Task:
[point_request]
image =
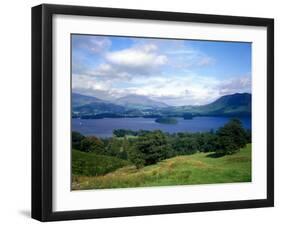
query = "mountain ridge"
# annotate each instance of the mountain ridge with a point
(237, 104)
(134, 100)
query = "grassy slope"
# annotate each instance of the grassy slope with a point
(192, 169)
(91, 164)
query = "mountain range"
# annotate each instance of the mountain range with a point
(138, 101)
(238, 104)
(229, 105)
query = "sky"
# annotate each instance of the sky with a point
(175, 72)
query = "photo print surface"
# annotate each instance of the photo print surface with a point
(159, 112)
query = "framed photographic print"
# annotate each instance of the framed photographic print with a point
(145, 112)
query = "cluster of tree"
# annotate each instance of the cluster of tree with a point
(127, 132)
(124, 132)
(150, 147)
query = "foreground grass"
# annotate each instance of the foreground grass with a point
(199, 168)
(91, 164)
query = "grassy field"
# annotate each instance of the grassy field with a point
(199, 168)
(91, 164)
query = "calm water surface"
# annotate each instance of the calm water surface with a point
(104, 127)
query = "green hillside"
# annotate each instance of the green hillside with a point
(91, 164)
(235, 104)
(199, 168)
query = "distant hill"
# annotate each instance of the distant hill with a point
(85, 105)
(235, 104)
(238, 104)
(138, 101)
(79, 100)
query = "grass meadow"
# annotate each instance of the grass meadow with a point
(198, 168)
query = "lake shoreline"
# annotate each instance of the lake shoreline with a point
(103, 128)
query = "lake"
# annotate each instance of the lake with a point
(104, 127)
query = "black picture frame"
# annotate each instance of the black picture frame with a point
(42, 111)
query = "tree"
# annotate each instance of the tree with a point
(153, 147)
(136, 157)
(76, 139)
(114, 146)
(185, 145)
(124, 149)
(208, 142)
(249, 136)
(92, 144)
(231, 137)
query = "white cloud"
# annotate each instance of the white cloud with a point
(123, 65)
(188, 57)
(154, 69)
(99, 44)
(94, 44)
(89, 83)
(136, 57)
(107, 71)
(180, 90)
(235, 85)
(189, 89)
(205, 61)
(144, 58)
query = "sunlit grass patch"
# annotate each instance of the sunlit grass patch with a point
(198, 168)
